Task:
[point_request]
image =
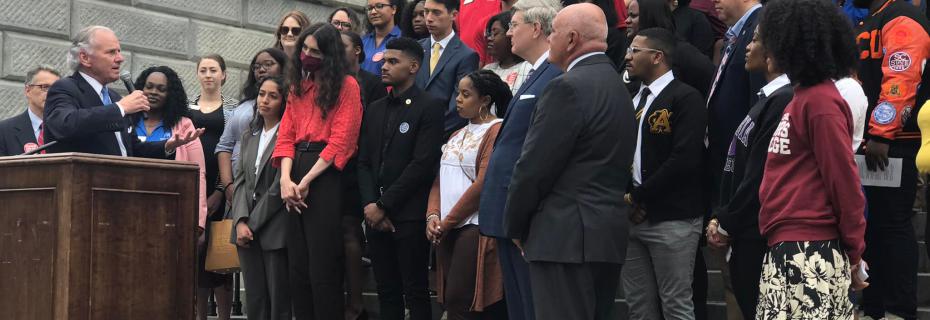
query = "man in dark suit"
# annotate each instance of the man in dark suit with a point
(20, 134)
(83, 115)
(565, 205)
(446, 59)
(532, 24)
(399, 150)
(671, 120)
(733, 90)
(257, 206)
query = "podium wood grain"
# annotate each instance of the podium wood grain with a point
(97, 237)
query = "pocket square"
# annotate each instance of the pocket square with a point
(527, 96)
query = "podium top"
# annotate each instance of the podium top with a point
(95, 159)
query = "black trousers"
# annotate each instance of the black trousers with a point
(315, 249)
(745, 272)
(265, 275)
(891, 245)
(574, 291)
(400, 261)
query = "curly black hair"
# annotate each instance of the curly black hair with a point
(810, 40)
(176, 104)
(332, 73)
(258, 123)
(406, 24)
(250, 89)
(488, 83)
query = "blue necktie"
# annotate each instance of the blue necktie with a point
(106, 95)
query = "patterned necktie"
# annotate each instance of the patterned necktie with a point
(643, 95)
(434, 57)
(105, 92)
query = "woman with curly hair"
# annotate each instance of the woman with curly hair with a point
(811, 200)
(468, 275)
(167, 116)
(413, 24)
(317, 137)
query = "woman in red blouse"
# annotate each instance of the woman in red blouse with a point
(317, 136)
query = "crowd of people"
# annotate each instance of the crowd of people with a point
(539, 155)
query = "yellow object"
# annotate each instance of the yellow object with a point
(923, 156)
(434, 57)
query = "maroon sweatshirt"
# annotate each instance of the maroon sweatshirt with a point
(811, 189)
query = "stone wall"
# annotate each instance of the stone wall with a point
(152, 32)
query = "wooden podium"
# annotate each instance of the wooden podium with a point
(97, 237)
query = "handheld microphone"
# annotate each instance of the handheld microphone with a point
(127, 80)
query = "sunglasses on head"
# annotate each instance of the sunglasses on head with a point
(285, 30)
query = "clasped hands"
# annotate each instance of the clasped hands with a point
(294, 195)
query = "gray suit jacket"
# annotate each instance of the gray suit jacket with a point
(258, 197)
(566, 195)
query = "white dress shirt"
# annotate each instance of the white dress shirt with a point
(578, 59)
(263, 141)
(540, 61)
(442, 43)
(655, 88)
(36, 123)
(851, 91)
(775, 84)
(98, 88)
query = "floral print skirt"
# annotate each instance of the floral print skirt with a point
(805, 280)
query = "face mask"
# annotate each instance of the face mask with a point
(310, 63)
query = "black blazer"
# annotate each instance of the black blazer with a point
(566, 195)
(738, 213)
(456, 61)
(78, 120)
(401, 176)
(15, 133)
(734, 94)
(258, 197)
(671, 154)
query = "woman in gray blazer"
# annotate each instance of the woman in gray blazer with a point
(261, 222)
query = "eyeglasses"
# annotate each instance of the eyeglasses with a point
(43, 87)
(264, 66)
(632, 50)
(289, 30)
(342, 24)
(379, 6)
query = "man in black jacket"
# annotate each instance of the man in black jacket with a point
(21, 133)
(736, 221)
(399, 150)
(664, 237)
(83, 115)
(564, 207)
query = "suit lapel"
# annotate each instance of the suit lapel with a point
(660, 101)
(249, 151)
(89, 94)
(529, 82)
(23, 127)
(451, 49)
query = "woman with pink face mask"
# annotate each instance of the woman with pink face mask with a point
(316, 138)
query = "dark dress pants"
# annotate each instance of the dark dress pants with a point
(891, 245)
(574, 291)
(315, 249)
(517, 288)
(400, 260)
(745, 272)
(267, 288)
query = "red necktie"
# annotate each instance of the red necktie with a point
(41, 139)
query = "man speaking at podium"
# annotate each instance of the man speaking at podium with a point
(83, 115)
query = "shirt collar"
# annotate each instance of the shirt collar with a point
(402, 97)
(541, 59)
(442, 43)
(776, 83)
(578, 59)
(735, 30)
(395, 33)
(656, 87)
(93, 83)
(36, 121)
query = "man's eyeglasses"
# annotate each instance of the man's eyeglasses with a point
(632, 50)
(512, 24)
(379, 6)
(285, 30)
(43, 87)
(264, 66)
(342, 24)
